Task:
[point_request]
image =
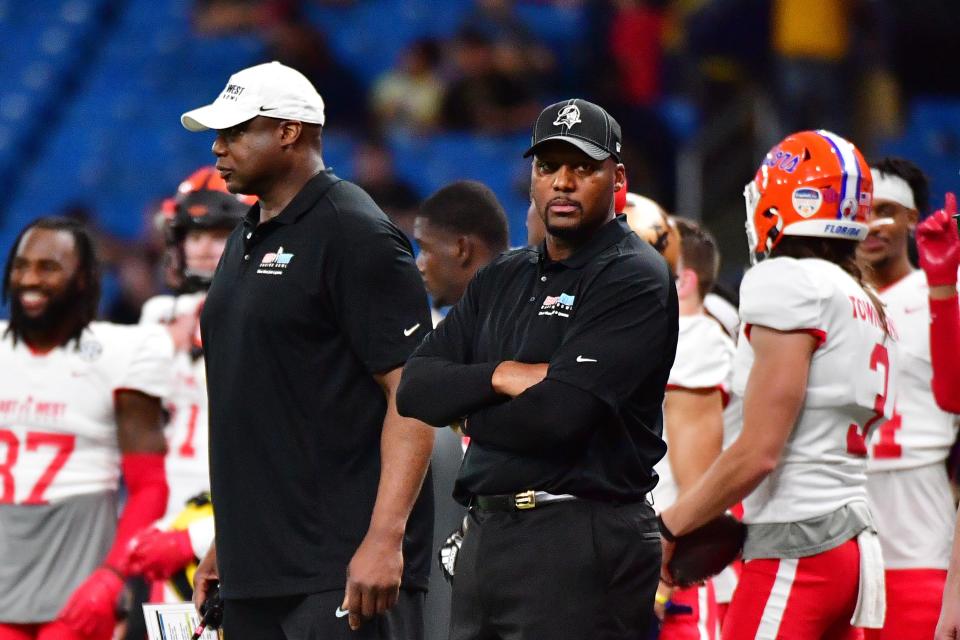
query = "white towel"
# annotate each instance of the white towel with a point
(871, 597)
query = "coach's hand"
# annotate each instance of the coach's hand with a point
(91, 610)
(205, 577)
(373, 577)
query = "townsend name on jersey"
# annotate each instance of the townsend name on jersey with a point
(865, 311)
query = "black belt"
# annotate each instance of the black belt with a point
(518, 501)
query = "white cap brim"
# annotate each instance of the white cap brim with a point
(215, 116)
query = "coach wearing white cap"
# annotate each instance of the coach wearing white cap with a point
(313, 311)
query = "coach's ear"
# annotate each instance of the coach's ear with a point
(289, 131)
(688, 284)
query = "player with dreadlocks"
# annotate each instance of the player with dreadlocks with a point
(79, 407)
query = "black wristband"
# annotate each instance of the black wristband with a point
(666, 533)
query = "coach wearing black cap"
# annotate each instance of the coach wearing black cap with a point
(557, 356)
(313, 310)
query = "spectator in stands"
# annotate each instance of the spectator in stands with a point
(409, 96)
(483, 98)
(292, 40)
(632, 87)
(811, 42)
(516, 47)
(373, 170)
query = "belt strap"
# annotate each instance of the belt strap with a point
(519, 501)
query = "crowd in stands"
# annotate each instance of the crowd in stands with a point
(664, 68)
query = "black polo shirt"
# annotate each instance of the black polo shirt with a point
(605, 320)
(302, 311)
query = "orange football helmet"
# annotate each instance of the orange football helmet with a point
(814, 183)
(202, 203)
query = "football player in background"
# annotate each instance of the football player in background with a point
(197, 221)
(697, 392)
(813, 368)
(79, 407)
(910, 495)
(459, 228)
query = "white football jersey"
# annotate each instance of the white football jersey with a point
(58, 430)
(919, 433)
(850, 387)
(187, 460)
(704, 361)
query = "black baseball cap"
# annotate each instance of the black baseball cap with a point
(583, 124)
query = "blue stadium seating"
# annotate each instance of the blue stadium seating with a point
(931, 138)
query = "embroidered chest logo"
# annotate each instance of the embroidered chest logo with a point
(560, 305)
(275, 262)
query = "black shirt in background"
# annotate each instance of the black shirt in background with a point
(302, 311)
(605, 320)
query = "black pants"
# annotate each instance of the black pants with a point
(312, 617)
(577, 570)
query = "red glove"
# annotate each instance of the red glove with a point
(157, 555)
(938, 244)
(91, 610)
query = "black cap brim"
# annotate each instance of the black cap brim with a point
(595, 151)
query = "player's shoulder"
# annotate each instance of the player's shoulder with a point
(705, 353)
(164, 308)
(911, 288)
(704, 332)
(158, 309)
(811, 278)
(788, 293)
(125, 340)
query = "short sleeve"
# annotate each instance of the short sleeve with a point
(377, 292)
(162, 309)
(157, 310)
(624, 332)
(782, 294)
(150, 367)
(704, 355)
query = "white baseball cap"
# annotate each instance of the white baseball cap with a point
(271, 89)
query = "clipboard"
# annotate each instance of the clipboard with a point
(176, 621)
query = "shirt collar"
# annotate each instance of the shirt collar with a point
(301, 203)
(609, 234)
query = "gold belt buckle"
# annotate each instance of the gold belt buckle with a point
(525, 500)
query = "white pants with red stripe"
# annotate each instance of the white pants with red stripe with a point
(808, 598)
